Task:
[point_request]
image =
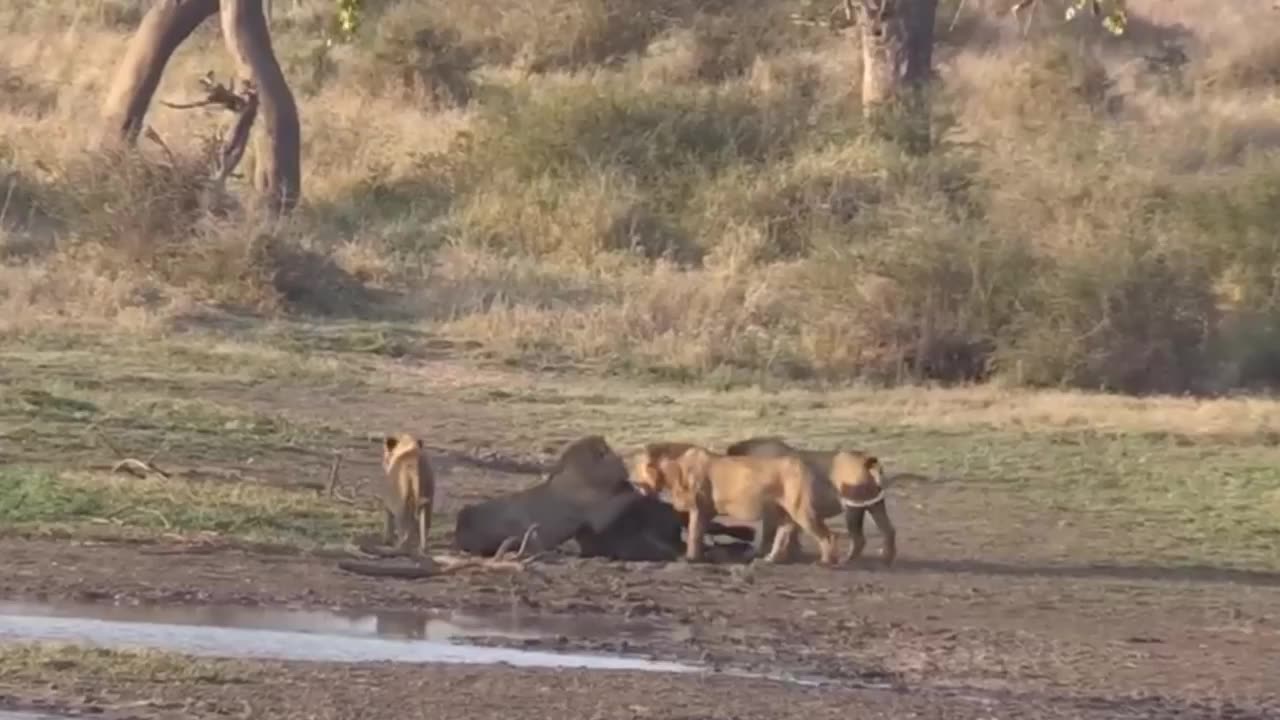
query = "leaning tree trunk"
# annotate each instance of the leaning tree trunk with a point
(277, 160)
(897, 63)
(165, 26)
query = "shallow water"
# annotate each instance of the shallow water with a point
(355, 635)
(286, 634)
(403, 624)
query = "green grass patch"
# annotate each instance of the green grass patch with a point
(1136, 499)
(33, 499)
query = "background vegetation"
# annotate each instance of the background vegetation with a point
(685, 188)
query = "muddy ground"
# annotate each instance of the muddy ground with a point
(277, 690)
(1007, 600)
(943, 640)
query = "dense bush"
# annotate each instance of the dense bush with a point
(687, 188)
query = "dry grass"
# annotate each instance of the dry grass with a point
(36, 660)
(684, 189)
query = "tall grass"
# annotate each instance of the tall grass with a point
(686, 188)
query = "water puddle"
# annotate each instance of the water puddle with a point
(401, 624)
(353, 636)
(275, 633)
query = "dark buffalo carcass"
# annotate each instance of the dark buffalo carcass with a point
(587, 497)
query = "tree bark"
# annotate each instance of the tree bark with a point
(897, 59)
(165, 26)
(277, 165)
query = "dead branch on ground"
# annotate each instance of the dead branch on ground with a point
(403, 572)
(140, 469)
(505, 546)
(137, 468)
(143, 468)
(333, 472)
(126, 464)
(332, 485)
(446, 564)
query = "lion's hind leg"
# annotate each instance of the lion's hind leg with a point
(423, 512)
(880, 514)
(809, 521)
(853, 518)
(406, 522)
(388, 527)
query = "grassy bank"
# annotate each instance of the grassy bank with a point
(1093, 478)
(685, 190)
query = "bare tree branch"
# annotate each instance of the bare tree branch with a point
(233, 149)
(216, 93)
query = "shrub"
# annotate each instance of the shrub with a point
(1127, 316)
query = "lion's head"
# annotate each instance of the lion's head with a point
(396, 446)
(657, 468)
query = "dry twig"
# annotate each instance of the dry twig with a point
(215, 94)
(445, 564)
(137, 468)
(333, 473)
(244, 104)
(126, 464)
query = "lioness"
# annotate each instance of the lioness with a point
(853, 484)
(705, 484)
(409, 491)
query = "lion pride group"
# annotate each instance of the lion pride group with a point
(615, 508)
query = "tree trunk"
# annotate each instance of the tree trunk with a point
(897, 60)
(165, 26)
(277, 170)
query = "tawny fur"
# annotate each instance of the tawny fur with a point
(851, 483)
(706, 484)
(410, 491)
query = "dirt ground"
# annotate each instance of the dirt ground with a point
(1034, 644)
(278, 690)
(1017, 609)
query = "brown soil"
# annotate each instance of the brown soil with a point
(1034, 644)
(316, 691)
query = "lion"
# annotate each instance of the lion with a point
(852, 483)
(705, 484)
(409, 491)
